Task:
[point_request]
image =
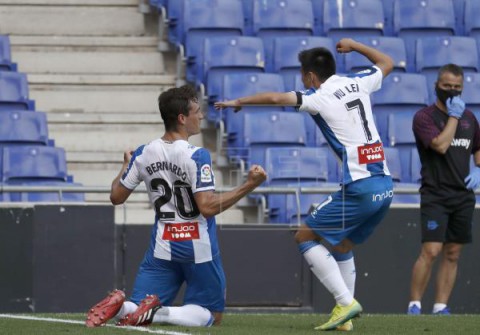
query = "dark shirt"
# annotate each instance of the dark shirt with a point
(443, 175)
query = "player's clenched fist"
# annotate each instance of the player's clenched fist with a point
(257, 175)
(345, 45)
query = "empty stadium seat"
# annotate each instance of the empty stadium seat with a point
(29, 163)
(388, 13)
(280, 18)
(471, 19)
(400, 135)
(353, 18)
(400, 175)
(392, 46)
(23, 127)
(14, 92)
(208, 18)
(400, 92)
(260, 130)
(432, 53)
(226, 55)
(416, 167)
(242, 84)
(175, 21)
(471, 91)
(318, 6)
(5, 55)
(459, 8)
(392, 157)
(422, 18)
(248, 17)
(285, 55)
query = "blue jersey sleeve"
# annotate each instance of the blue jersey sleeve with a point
(204, 175)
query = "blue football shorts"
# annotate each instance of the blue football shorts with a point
(354, 211)
(205, 282)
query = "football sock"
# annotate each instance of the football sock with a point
(437, 307)
(188, 315)
(347, 269)
(415, 302)
(127, 308)
(326, 269)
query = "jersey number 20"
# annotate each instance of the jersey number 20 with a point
(184, 202)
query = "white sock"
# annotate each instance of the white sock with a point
(437, 307)
(127, 307)
(347, 269)
(415, 302)
(188, 315)
(326, 269)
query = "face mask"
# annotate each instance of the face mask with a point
(443, 95)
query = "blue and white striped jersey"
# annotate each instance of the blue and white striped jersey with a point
(342, 109)
(173, 172)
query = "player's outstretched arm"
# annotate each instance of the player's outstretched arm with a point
(267, 98)
(383, 61)
(119, 193)
(210, 203)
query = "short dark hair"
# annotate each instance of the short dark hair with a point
(451, 68)
(173, 102)
(319, 61)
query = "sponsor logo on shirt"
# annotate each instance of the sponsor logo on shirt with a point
(432, 225)
(461, 142)
(382, 196)
(178, 232)
(370, 153)
(206, 174)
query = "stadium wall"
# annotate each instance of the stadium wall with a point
(56, 258)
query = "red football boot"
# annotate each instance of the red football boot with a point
(143, 316)
(106, 309)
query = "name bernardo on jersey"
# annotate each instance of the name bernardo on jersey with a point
(166, 166)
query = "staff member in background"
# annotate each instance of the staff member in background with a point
(446, 135)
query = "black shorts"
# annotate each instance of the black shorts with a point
(447, 221)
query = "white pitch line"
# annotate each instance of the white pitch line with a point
(75, 322)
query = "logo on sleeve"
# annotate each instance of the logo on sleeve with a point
(370, 153)
(206, 174)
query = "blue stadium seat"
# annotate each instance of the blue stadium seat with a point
(280, 18)
(175, 21)
(471, 19)
(5, 55)
(226, 55)
(400, 135)
(260, 130)
(293, 167)
(353, 18)
(388, 13)
(392, 157)
(44, 196)
(14, 92)
(422, 18)
(400, 92)
(400, 173)
(285, 55)
(208, 18)
(318, 6)
(29, 163)
(416, 167)
(392, 46)
(459, 8)
(248, 17)
(432, 53)
(23, 127)
(471, 91)
(242, 84)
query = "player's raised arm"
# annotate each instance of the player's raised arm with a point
(383, 61)
(266, 98)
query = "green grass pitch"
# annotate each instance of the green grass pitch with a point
(263, 324)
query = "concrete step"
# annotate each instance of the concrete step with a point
(21, 41)
(98, 79)
(115, 3)
(66, 60)
(103, 99)
(103, 118)
(71, 20)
